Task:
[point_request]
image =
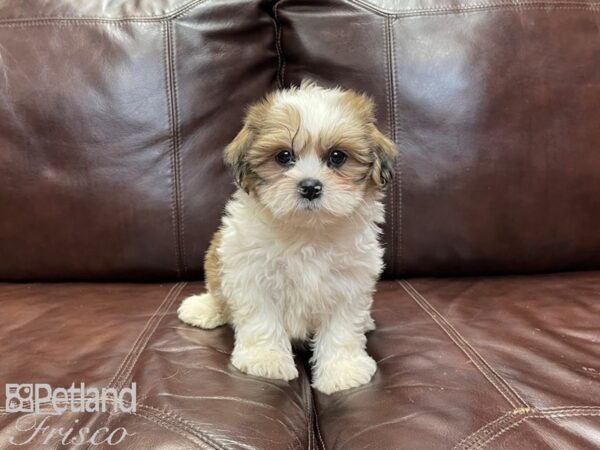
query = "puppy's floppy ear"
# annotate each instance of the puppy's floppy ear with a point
(236, 153)
(235, 156)
(383, 149)
(385, 152)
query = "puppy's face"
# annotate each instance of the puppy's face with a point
(311, 153)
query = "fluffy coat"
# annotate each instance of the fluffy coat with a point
(283, 268)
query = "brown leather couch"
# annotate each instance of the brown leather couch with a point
(113, 117)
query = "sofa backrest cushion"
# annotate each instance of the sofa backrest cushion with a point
(113, 118)
(495, 108)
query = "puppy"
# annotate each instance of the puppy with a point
(297, 255)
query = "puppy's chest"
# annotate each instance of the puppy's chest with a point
(308, 268)
(313, 274)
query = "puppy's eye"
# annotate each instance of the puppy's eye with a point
(336, 158)
(285, 158)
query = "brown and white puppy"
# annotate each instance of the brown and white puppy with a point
(297, 256)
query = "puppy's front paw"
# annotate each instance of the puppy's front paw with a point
(202, 311)
(344, 373)
(265, 362)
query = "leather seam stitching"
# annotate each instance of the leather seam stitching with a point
(513, 398)
(177, 12)
(177, 130)
(149, 335)
(118, 380)
(139, 337)
(477, 434)
(474, 350)
(307, 407)
(569, 408)
(594, 7)
(120, 377)
(398, 166)
(66, 24)
(476, 7)
(171, 149)
(278, 46)
(184, 425)
(174, 149)
(180, 426)
(493, 429)
(317, 425)
(174, 429)
(391, 121)
(318, 428)
(502, 431)
(467, 346)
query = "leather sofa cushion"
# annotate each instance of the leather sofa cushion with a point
(510, 362)
(110, 335)
(113, 117)
(494, 107)
(472, 363)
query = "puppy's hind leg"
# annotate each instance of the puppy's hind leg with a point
(205, 311)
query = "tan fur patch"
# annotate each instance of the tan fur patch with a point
(212, 266)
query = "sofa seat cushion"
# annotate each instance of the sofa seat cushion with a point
(110, 335)
(509, 362)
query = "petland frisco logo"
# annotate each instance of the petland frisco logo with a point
(42, 405)
(35, 398)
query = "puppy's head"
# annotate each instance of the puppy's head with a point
(310, 152)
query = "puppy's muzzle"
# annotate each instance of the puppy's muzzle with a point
(310, 188)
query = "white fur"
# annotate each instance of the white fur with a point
(287, 283)
(202, 311)
(317, 107)
(295, 270)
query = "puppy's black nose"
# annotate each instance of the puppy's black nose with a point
(310, 188)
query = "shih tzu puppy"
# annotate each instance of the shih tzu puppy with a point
(297, 255)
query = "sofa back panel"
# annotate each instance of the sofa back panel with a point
(112, 131)
(398, 8)
(220, 72)
(36, 10)
(495, 109)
